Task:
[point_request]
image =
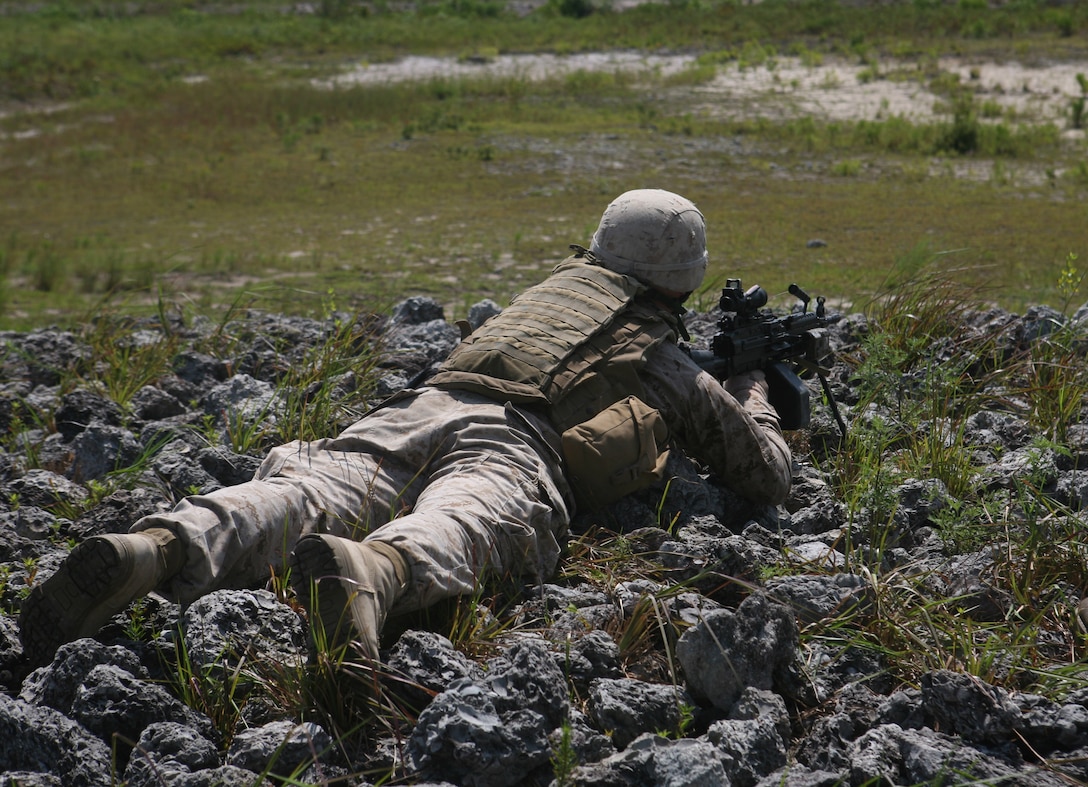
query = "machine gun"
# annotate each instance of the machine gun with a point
(751, 337)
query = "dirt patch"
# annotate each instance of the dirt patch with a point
(530, 67)
(839, 90)
(786, 87)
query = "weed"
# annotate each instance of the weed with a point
(965, 526)
(990, 109)
(127, 360)
(572, 9)
(1076, 112)
(1079, 173)
(218, 689)
(1055, 380)
(1070, 279)
(1064, 23)
(962, 136)
(250, 431)
(754, 55)
(136, 628)
(564, 756)
(915, 391)
(228, 147)
(869, 74)
(475, 622)
(327, 388)
(848, 168)
(647, 637)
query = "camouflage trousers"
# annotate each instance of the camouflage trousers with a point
(460, 484)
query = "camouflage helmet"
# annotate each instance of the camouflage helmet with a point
(655, 236)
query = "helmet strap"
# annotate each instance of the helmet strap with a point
(582, 251)
(675, 307)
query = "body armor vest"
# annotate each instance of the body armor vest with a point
(572, 344)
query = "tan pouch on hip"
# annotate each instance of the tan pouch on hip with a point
(618, 451)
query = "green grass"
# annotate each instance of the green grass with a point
(185, 156)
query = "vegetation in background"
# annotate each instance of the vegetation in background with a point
(171, 150)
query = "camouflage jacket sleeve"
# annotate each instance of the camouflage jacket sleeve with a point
(741, 442)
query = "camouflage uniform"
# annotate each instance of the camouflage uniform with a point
(456, 481)
(462, 483)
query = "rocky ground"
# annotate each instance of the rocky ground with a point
(738, 696)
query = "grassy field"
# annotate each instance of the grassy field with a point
(173, 153)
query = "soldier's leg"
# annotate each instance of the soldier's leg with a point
(474, 520)
(491, 503)
(234, 537)
(238, 536)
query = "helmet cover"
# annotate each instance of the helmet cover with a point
(655, 236)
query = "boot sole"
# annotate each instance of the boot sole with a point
(74, 602)
(315, 578)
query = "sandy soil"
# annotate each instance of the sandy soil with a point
(786, 87)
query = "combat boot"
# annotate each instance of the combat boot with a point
(100, 577)
(347, 587)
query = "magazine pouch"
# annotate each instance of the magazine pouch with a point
(618, 451)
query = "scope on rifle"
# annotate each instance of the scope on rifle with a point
(752, 337)
(736, 299)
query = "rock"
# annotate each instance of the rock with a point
(46, 489)
(592, 656)
(696, 583)
(115, 705)
(1031, 465)
(199, 369)
(626, 708)
(30, 523)
(81, 408)
(100, 449)
(814, 597)
(527, 677)
(154, 404)
(38, 739)
(968, 707)
(653, 759)
(750, 749)
(800, 776)
(578, 741)
(40, 356)
(1072, 489)
(57, 684)
(494, 732)
(280, 748)
(1049, 726)
(225, 625)
(227, 467)
(462, 736)
(116, 513)
(481, 312)
(167, 751)
(422, 664)
(827, 746)
(241, 399)
(178, 464)
(890, 755)
(730, 651)
(417, 310)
